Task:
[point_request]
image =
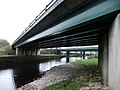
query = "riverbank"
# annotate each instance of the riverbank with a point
(79, 75)
(54, 75)
(12, 61)
(87, 78)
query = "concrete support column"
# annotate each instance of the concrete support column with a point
(114, 55)
(24, 52)
(99, 57)
(32, 52)
(83, 54)
(80, 54)
(103, 58)
(27, 52)
(38, 52)
(67, 56)
(19, 51)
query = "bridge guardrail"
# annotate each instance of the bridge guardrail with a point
(37, 17)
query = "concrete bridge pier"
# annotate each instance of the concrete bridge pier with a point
(83, 54)
(114, 55)
(26, 52)
(38, 51)
(33, 52)
(67, 56)
(109, 56)
(103, 58)
(19, 51)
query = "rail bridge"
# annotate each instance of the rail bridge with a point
(65, 23)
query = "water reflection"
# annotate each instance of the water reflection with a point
(7, 80)
(48, 65)
(26, 72)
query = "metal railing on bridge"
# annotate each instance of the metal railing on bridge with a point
(37, 18)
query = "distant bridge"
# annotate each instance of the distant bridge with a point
(82, 50)
(95, 49)
(65, 23)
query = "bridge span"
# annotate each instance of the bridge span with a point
(82, 50)
(65, 23)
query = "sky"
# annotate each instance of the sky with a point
(16, 15)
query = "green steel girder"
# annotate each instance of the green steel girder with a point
(79, 50)
(94, 11)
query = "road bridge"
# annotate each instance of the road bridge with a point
(65, 23)
(82, 50)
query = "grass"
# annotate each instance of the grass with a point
(86, 63)
(88, 72)
(62, 86)
(49, 55)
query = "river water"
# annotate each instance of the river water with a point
(12, 78)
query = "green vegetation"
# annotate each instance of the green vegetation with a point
(65, 85)
(5, 48)
(48, 51)
(4, 43)
(88, 73)
(86, 63)
(93, 56)
(50, 55)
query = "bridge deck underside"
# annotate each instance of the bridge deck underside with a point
(83, 26)
(88, 34)
(53, 17)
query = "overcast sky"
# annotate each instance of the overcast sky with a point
(16, 15)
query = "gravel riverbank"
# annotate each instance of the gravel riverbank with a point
(54, 75)
(85, 78)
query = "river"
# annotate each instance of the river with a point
(12, 78)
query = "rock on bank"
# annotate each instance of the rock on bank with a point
(54, 75)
